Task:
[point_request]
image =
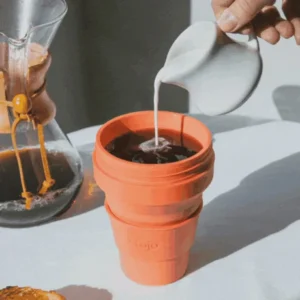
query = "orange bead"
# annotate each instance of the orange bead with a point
(21, 104)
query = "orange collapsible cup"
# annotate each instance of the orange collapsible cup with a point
(155, 255)
(157, 194)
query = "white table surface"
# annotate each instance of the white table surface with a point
(248, 240)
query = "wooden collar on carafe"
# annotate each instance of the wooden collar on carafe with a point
(27, 109)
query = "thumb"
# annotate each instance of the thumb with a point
(240, 13)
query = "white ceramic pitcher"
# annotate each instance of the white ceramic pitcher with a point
(218, 71)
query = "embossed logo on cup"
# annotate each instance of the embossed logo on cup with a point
(144, 245)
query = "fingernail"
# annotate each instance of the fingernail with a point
(227, 21)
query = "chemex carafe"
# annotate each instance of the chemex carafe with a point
(40, 171)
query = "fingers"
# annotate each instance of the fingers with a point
(237, 16)
(270, 26)
(233, 15)
(291, 9)
(264, 29)
(285, 28)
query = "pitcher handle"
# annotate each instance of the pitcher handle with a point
(253, 42)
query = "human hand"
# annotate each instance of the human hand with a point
(259, 16)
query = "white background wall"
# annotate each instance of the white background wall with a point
(106, 55)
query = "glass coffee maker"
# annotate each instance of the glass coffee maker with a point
(40, 171)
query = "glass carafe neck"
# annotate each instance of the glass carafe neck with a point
(17, 68)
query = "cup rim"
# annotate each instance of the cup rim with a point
(179, 165)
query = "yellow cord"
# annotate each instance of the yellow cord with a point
(26, 195)
(49, 181)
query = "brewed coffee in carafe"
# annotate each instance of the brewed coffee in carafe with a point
(40, 171)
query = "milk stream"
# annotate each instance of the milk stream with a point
(157, 85)
(163, 74)
(172, 73)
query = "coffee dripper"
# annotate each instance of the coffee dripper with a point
(40, 171)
